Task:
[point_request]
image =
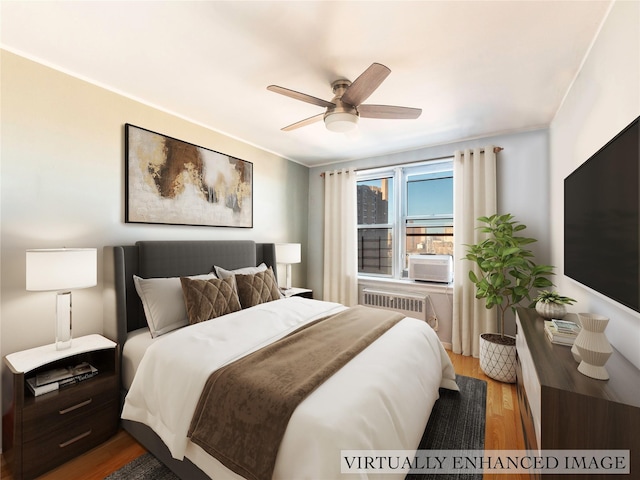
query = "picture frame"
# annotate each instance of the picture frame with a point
(173, 182)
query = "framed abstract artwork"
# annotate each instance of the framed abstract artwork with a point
(169, 181)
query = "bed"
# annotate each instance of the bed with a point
(379, 400)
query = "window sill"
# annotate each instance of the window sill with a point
(405, 284)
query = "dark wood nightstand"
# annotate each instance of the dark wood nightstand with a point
(298, 292)
(42, 432)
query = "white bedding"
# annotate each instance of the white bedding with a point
(134, 349)
(380, 400)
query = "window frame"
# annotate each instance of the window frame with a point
(376, 174)
(398, 214)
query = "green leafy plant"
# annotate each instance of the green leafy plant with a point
(507, 270)
(545, 296)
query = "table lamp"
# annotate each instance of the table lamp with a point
(288, 253)
(61, 270)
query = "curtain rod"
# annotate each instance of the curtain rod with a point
(495, 150)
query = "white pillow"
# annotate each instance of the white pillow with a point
(163, 302)
(222, 273)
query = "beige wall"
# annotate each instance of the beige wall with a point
(62, 184)
(604, 99)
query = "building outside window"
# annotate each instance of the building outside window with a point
(375, 227)
(402, 211)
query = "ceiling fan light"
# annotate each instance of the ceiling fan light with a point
(341, 122)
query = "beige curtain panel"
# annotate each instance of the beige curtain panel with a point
(340, 237)
(474, 174)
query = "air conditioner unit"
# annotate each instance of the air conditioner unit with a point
(431, 268)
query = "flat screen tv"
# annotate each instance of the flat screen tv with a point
(602, 220)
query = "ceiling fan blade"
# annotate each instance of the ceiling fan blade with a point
(365, 84)
(300, 96)
(303, 123)
(388, 111)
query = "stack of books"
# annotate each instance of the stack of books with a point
(51, 380)
(562, 332)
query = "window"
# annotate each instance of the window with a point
(402, 211)
(375, 227)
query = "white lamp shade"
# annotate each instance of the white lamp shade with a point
(288, 253)
(61, 269)
(341, 122)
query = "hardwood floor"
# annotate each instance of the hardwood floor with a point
(503, 429)
(503, 432)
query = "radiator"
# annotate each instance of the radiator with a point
(410, 304)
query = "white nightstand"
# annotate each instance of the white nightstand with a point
(42, 432)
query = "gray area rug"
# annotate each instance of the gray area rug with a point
(456, 423)
(145, 467)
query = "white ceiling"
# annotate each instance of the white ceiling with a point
(476, 68)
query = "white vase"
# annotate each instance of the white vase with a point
(498, 361)
(575, 353)
(593, 346)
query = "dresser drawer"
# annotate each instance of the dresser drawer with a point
(528, 382)
(69, 439)
(72, 404)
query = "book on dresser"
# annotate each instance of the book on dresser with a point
(561, 336)
(565, 326)
(41, 389)
(51, 380)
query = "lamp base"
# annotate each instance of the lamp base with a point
(63, 321)
(287, 279)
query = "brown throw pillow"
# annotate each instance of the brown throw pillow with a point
(206, 299)
(258, 288)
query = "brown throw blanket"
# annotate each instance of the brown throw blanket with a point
(245, 406)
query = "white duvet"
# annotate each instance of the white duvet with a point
(380, 400)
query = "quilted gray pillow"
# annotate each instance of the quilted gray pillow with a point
(207, 299)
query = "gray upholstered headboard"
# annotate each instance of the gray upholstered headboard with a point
(153, 259)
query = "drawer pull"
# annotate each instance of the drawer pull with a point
(75, 439)
(75, 407)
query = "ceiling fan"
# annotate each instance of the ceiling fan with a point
(344, 110)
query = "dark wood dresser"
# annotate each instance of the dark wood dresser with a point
(562, 409)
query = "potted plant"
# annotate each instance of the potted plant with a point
(551, 304)
(506, 276)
